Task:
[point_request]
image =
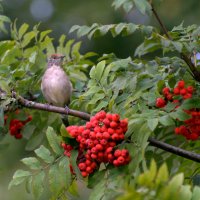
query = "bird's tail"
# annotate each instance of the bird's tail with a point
(65, 120)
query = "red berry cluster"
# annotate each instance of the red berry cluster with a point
(191, 129)
(16, 126)
(97, 141)
(180, 92)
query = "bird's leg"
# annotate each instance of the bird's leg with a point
(48, 105)
(67, 109)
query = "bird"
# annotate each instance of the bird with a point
(56, 86)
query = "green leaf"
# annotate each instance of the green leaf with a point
(54, 141)
(56, 180)
(64, 132)
(98, 191)
(5, 19)
(143, 6)
(100, 106)
(73, 189)
(22, 30)
(162, 175)
(196, 193)
(93, 179)
(38, 185)
(27, 38)
(64, 169)
(32, 163)
(44, 154)
(178, 46)
(152, 123)
(99, 70)
(1, 117)
(18, 177)
(180, 115)
(166, 120)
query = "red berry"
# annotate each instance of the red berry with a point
(18, 136)
(117, 153)
(99, 136)
(190, 89)
(187, 96)
(103, 142)
(166, 91)
(183, 91)
(106, 135)
(99, 147)
(82, 166)
(106, 122)
(84, 174)
(89, 170)
(169, 97)
(113, 124)
(124, 152)
(115, 117)
(176, 91)
(181, 84)
(121, 160)
(109, 116)
(124, 123)
(160, 103)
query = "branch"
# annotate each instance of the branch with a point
(85, 116)
(39, 106)
(175, 150)
(195, 72)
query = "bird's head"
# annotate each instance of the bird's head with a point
(55, 59)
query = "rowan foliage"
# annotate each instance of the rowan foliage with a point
(132, 87)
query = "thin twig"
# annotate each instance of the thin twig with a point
(39, 106)
(175, 150)
(195, 72)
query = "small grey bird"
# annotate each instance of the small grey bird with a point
(56, 86)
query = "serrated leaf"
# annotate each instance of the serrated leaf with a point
(196, 193)
(64, 168)
(22, 30)
(162, 175)
(99, 70)
(178, 46)
(152, 123)
(38, 185)
(32, 163)
(166, 120)
(54, 141)
(18, 177)
(1, 117)
(73, 189)
(100, 106)
(44, 154)
(27, 38)
(73, 161)
(5, 19)
(56, 180)
(143, 6)
(64, 132)
(94, 178)
(180, 115)
(98, 191)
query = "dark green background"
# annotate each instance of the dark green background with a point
(66, 13)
